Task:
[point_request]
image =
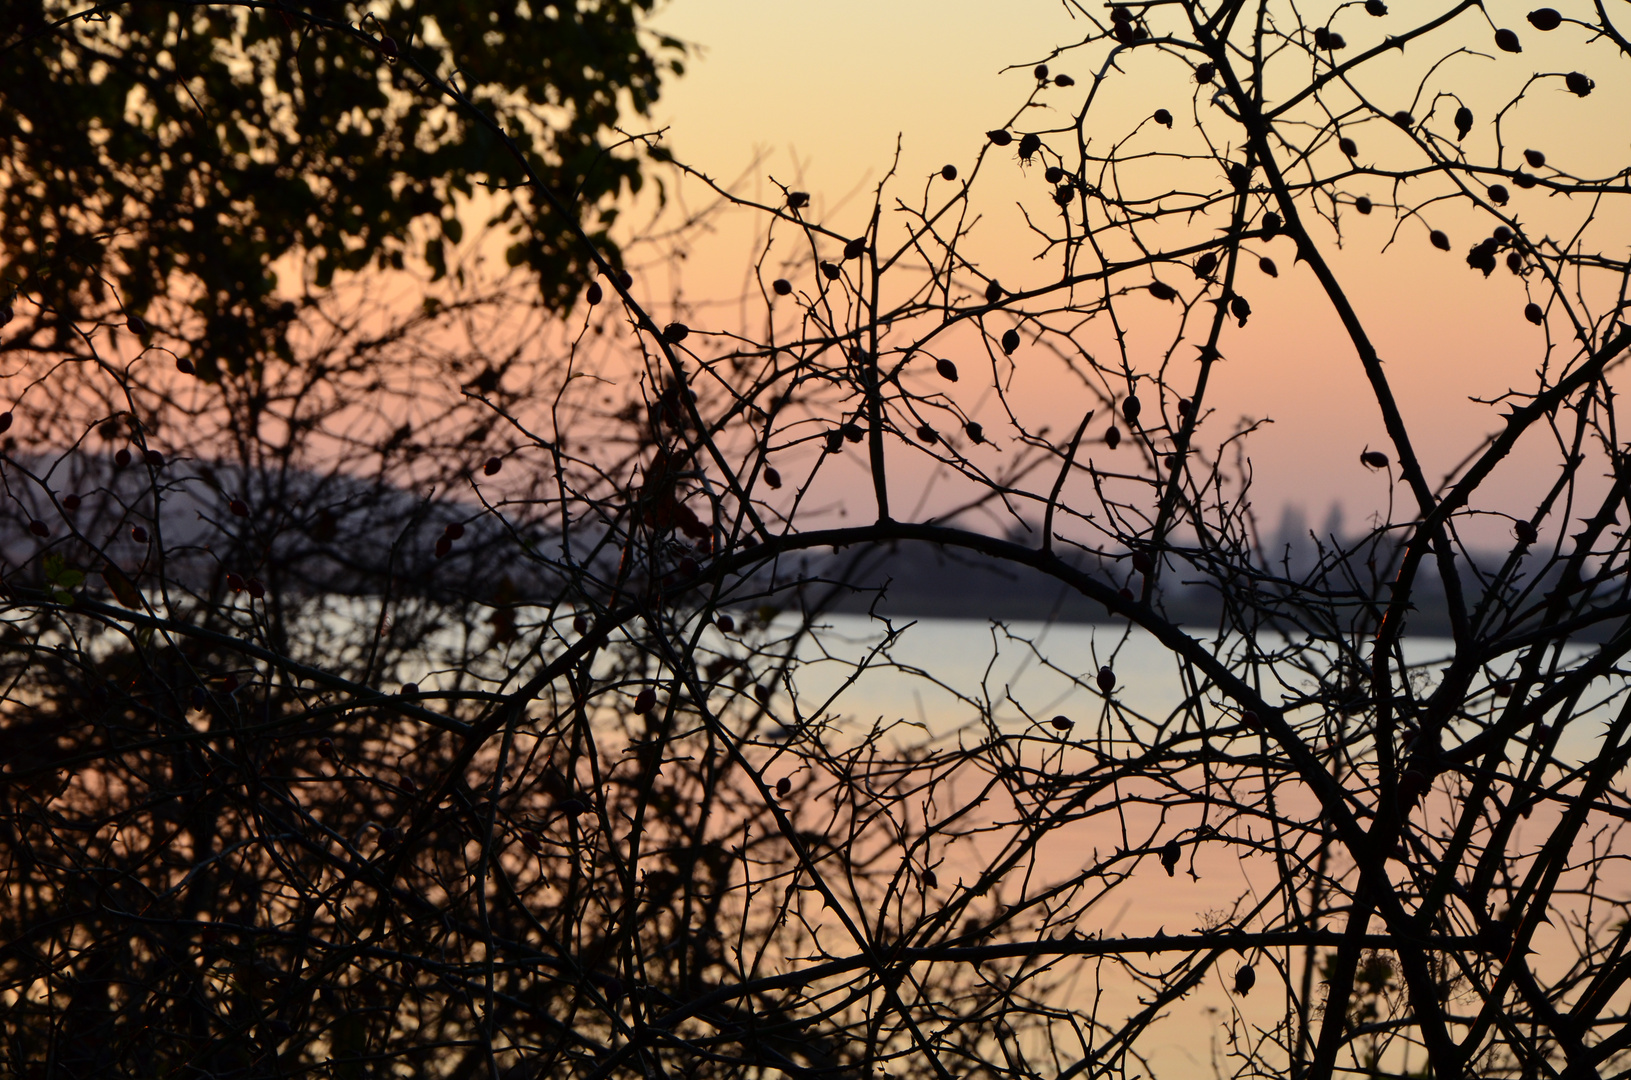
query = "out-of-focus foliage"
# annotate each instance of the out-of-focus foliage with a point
(208, 155)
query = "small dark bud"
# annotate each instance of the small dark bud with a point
(761, 693)
(410, 690)
(1064, 195)
(1239, 175)
(387, 48)
(1514, 262)
(580, 624)
(625, 279)
(234, 582)
(70, 502)
(153, 458)
(444, 547)
(1501, 234)
(835, 441)
(1185, 406)
(1463, 122)
(1142, 562)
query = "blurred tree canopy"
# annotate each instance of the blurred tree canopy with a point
(179, 162)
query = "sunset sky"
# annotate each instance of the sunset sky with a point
(818, 103)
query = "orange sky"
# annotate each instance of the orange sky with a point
(819, 97)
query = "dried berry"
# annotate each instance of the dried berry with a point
(645, 701)
(1106, 679)
(1245, 979)
(1404, 119)
(1239, 174)
(1063, 80)
(1545, 19)
(1062, 723)
(1251, 720)
(185, 366)
(70, 502)
(1373, 459)
(1266, 265)
(1171, 852)
(784, 786)
(1498, 194)
(39, 528)
(855, 249)
(1142, 562)
(781, 286)
(1064, 195)
(410, 690)
(1054, 174)
(1507, 41)
(927, 434)
(993, 292)
(773, 479)
(835, 441)
(1185, 406)
(1041, 72)
(975, 433)
(387, 48)
(830, 271)
(1162, 291)
(625, 279)
(256, 589)
(1523, 179)
(594, 294)
(1271, 225)
(1525, 532)
(5, 421)
(1514, 262)
(1376, 8)
(493, 465)
(948, 172)
(153, 458)
(947, 370)
(234, 582)
(1010, 341)
(853, 432)
(999, 137)
(1204, 72)
(1440, 241)
(454, 530)
(1534, 314)
(138, 533)
(676, 332)
(761, 693)
(1578, 84)
(1240, 309)
(725, 623)
(443, 547)
(580, 623)
(1482, 256)
(121, 459)
(1535, 158)
(136, 325)
(1206, 264)
(1163, 117)
(1348, 146)
(1131, 408)
(325, 747)
(1112, 437)
(1029, 144)
(238, 507)
(797, 200)
(1126, 595)
(1501, 234)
